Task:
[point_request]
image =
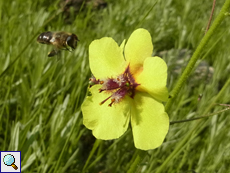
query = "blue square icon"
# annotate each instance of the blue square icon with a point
(10, 161)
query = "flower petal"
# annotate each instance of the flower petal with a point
(106, 122)
(150, 122)
(106, 58)
(123, 44)
(138, 47)
(153, 78)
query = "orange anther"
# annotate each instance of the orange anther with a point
(112, 101)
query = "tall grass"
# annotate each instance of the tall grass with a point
(40, 97)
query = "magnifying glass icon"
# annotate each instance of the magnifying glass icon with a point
(9, 160)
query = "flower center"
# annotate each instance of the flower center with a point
(119, 87)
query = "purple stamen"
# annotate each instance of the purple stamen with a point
(119, 87)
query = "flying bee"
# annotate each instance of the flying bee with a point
(60, 40)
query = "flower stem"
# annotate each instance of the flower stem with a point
(221, 16)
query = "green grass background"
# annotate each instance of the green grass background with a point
(40, 97)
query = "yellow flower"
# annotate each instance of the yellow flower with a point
(130, 86)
